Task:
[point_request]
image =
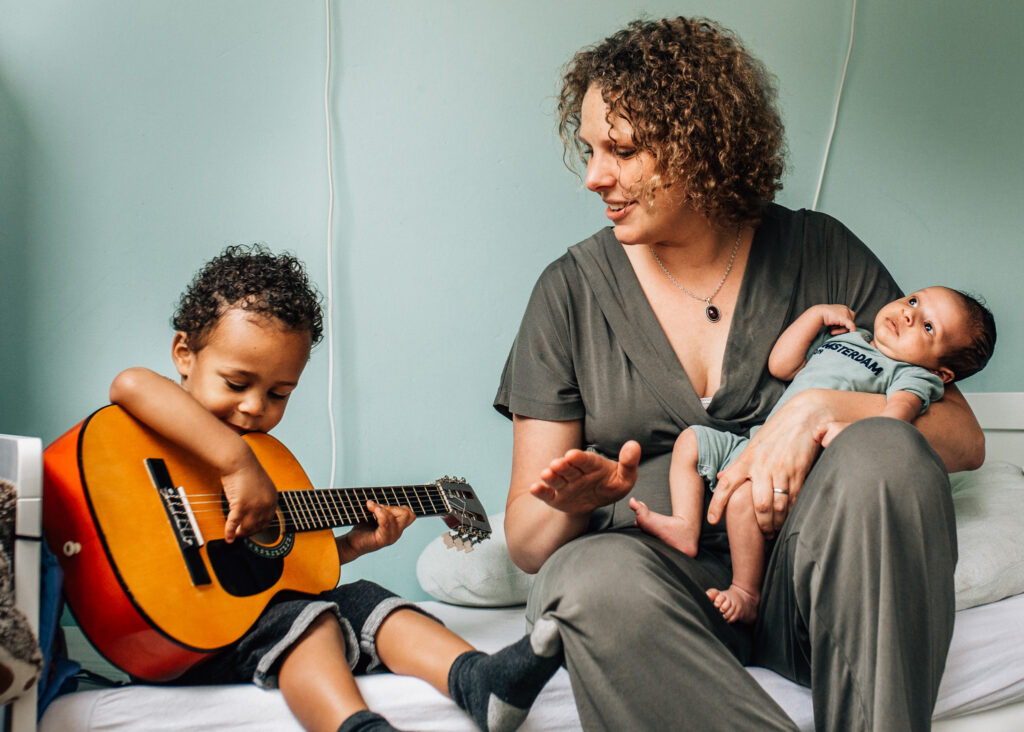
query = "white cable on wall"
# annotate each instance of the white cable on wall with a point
(835, 111)
(330, 255)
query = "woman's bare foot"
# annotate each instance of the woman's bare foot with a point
(675, 531)
(736, 604)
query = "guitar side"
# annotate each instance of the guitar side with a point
(127, 577)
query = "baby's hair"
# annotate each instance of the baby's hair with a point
(973, 357)
(252, 278)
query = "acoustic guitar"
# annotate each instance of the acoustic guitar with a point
(137, 524)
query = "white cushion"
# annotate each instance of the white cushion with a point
(989, 506)
(482, 577)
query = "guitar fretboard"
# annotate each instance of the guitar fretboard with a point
(328, 508)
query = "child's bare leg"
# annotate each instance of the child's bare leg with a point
(682, 529)
(317, 683)
(412, 644)
(738, 603)
(496, 689)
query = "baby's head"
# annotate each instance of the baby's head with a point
(948, 332)
(245, 327)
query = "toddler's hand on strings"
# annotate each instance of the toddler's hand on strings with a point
(391, 521)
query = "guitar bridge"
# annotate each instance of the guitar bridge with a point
(183, 521)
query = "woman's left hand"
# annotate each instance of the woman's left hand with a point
(776, 461)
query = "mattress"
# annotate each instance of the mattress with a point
(985, 670)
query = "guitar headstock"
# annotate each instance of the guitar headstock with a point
(466, 516)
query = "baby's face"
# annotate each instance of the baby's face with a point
(923, 328)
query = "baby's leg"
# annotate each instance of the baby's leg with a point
(738, 603)
(496, 689)
(682, 529)
(318, 685)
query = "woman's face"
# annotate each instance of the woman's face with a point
(617, 172)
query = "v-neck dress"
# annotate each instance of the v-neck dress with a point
(860, 577)
(591, 348)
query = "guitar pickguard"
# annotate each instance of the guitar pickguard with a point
(244, 568)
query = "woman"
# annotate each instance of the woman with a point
(666, 320)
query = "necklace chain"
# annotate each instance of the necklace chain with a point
(712, 312)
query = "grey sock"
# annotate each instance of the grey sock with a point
(366, 721)
(498, 689)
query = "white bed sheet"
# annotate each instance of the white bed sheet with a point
(985, 670)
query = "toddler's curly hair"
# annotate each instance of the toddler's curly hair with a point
(252, 278)
(698, 102)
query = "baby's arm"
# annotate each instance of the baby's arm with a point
(790, 352)
(903, 405)
(365, 538)
(171, 411)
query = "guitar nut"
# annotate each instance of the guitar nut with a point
(71, 548)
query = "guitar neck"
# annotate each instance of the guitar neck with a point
(329, 508)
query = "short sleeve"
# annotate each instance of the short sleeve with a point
(920, 382)
(539, 378)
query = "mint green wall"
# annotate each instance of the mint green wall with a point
(137, 139)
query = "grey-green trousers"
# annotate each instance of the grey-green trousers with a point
(857, 603)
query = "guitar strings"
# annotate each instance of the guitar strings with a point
(319, 504)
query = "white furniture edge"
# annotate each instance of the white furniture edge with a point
(21, 462)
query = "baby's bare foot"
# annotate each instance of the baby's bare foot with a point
(675, 531)
(736, 604)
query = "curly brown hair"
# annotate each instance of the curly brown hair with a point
(698, 102)
(252, 278)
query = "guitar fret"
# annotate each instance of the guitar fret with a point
(345, 498)
(322, 513)
(429, 497)
(363, 505)
(435, 493)
(307, 516)
(407, 502)
(424, 500)
(308, 519)
(336, 508)
(285, 499)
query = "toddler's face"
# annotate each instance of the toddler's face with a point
(923, 328)
(246, 371)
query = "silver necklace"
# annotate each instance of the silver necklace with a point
(711, 311)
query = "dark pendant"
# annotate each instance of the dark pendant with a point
(713, 313)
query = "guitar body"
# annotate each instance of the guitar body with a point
(151, 605)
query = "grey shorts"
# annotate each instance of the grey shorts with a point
(360, 608)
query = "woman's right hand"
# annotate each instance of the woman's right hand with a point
(581, 481)
(555, 486)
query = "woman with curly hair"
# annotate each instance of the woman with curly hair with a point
(665, 320)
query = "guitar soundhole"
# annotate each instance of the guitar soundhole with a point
(268, 537)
